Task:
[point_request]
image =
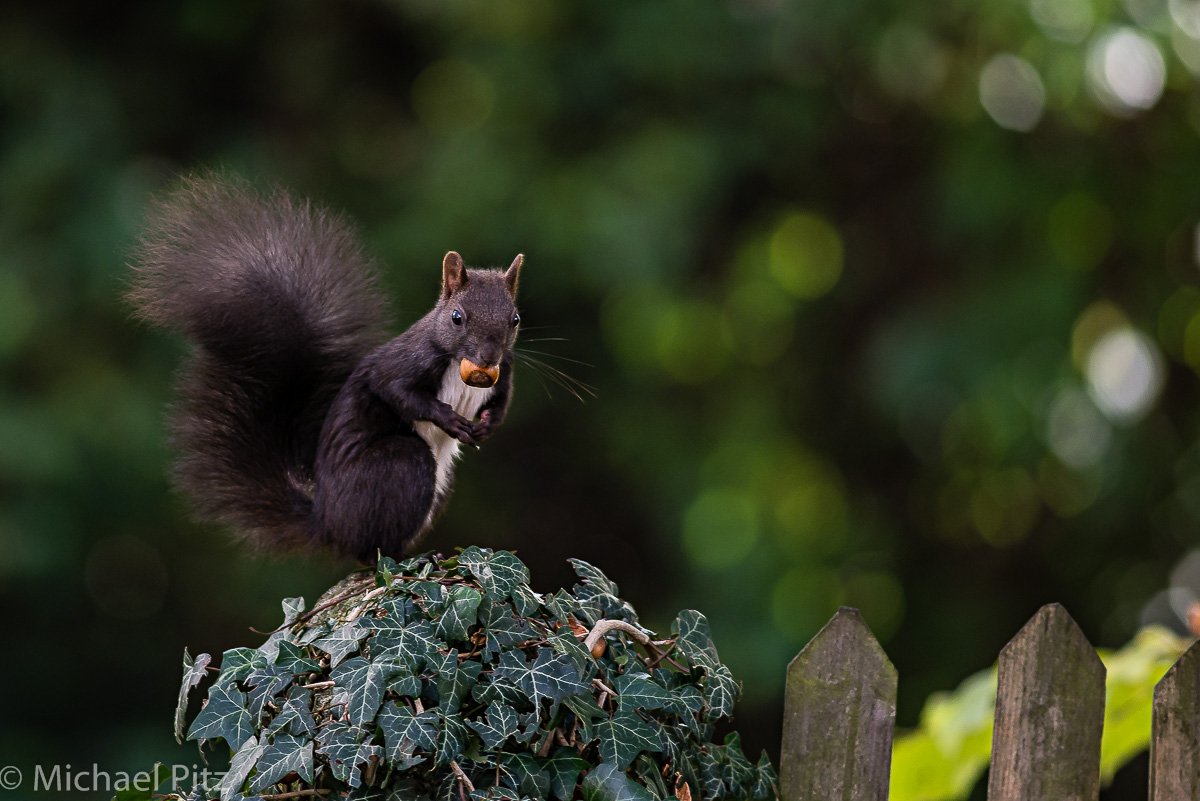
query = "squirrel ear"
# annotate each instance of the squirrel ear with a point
(454, 274)
(514, 272)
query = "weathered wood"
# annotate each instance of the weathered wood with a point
(1175, 732)
(1049, 714)
(838, 717)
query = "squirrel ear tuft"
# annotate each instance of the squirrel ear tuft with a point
(514, 272)
(454, 274)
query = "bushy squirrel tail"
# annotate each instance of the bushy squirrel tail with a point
(280, 303)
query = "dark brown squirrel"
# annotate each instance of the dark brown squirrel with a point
(298, 422)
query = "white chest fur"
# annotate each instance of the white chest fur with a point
(466, 401)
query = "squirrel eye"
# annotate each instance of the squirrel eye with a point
(516, 319)
(457, 317)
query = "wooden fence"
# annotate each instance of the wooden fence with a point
(840, 709)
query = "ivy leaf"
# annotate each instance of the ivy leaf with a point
(404, 756)
(499, 573)
(315, 632)
(565, 642)
(462, 610)
(295, 716)
(280, 758)
(686, 702)
(709, 773)
(529, 727)
(625, 736)
(608, 604)
(450, 738)
(586, 709)
(265, 684)
(528, 779)
(400, 724)
(637, 690)
(648, 773)
(223, 716)
(455, 680)
(609, 783)
(345, 747)
(721, 691)
(386, 632)
(416, 644)
(550, 676)
(736, 770)
(294, 659)
(561, 605)
(400, 607)
(238, 663)
(593, 577)
(385, 568)
(239, 769)
(198, 793)
(292, 609)
(502, 690)
(423, 565)
(677, 752)
(502, 629)
(501, 724)
(364, 682)
(341, 643)
(351, 675)
(695, 638)
(405, 684)
(564, 769)
(431, 596)
(270, 647)
(766, 783)
(193, 671)
(525, 600)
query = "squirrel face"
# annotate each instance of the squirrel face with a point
(477, 317)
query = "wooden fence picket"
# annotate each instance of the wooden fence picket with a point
(1175, 732)
(1049, 714)
(839, 716)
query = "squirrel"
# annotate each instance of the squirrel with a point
(298, 422)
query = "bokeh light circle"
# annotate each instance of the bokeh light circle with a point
(806, 254)
(1126, 71)
(1125, 374)
(1011, 92)
(1064, 20)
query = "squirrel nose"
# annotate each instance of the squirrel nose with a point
(490, 353)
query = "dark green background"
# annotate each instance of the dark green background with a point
(831, 310)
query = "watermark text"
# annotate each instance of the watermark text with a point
(94, 779)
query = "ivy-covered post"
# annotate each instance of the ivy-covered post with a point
(451, 678)
(1049, 713)
(839, 715)
(1175, 732)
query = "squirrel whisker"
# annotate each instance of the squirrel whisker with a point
(568, 382)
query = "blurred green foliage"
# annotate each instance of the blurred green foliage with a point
(887, 305)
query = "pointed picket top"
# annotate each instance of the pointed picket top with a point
(838, 717)
(1049, 714)
(1175, 732)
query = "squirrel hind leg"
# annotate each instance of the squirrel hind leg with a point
(379, 501)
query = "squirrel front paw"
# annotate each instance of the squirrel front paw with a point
(458, 427)
(486, 425)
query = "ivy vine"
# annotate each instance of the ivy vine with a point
(450, 679)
